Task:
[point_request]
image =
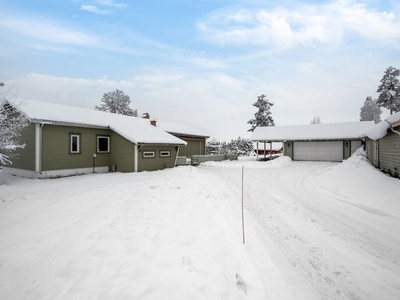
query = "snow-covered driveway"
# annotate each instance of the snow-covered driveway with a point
(337, 225)
(313, 231)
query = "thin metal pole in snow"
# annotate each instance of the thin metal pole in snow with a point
(243, 205)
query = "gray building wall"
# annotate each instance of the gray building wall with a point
(385, 153)
(389, 154)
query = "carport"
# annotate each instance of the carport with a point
(315, 142)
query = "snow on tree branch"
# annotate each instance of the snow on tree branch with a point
(262, 117)
(389, 90)
(240, 146)
(12, 122)
(118, 103)
(370, 111)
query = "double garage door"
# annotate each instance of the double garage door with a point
(318, 151)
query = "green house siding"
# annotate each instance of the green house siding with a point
(57, 154)
(122, 154)
(56, 148)
(25, 158)
(193, 147)
(157, 162)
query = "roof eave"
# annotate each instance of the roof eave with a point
(188, 135)
(63, 123)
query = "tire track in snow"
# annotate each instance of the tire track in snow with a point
(321, 245)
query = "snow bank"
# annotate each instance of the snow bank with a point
(249, 162)
(358, 171)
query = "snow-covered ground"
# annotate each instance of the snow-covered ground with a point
(313, 230)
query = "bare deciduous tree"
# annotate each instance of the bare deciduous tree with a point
(12, 122)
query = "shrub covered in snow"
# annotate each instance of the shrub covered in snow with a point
(240, 146)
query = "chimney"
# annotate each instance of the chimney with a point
(146, 116)
(153, 122)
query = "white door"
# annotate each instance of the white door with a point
(318, 151)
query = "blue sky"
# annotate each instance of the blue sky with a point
(203, 63)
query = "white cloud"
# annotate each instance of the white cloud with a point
(169, 95)
(110, 3)
(95, 10)
(306, 24)
(46, 30)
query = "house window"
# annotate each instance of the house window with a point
(149, 154)
(165, 153)
(74, 143)
(103, 144)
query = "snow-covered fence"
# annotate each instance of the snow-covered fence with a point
(197, 159)
(182, 161)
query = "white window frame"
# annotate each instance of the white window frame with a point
(149, 154)
(108, 143)
(78, 143)
(165, 153)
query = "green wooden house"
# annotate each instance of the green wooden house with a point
(315, 142)
(383, 145)
(63, 140)
(194, 138)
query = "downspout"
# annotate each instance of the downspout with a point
(38, 147)
(177, 154)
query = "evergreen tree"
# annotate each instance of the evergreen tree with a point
(118, 103)
(213, 147)
(370, 111)
(241, 147)
(389, 90)
(262, 117)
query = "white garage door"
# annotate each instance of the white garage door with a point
(318, 151)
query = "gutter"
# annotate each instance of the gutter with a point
(391, 128)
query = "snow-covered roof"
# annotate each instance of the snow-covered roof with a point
(333, 131)
(136, 130)
(380, 130)
(180, 129)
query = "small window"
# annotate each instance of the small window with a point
(149, 154)
(75, 146)
(165, 153)
(103, 144)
